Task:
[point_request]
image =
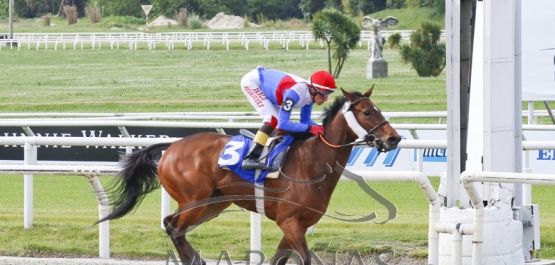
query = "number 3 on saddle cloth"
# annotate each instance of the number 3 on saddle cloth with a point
(238, 147)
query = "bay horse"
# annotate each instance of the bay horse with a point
(189, 172)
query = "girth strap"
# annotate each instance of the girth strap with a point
(259, 194)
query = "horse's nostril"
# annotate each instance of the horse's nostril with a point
(393, 140)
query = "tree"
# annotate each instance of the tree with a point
(124, 8)
(264, 7)
(395, 4)
(290, 9)
(4, 8)
(425, 53)
(310, 7)
(334, 27)
(335, 4)
(210, 8)
(347, 8)
(21, 9)
(169, 7)
(38, 8)
(438, 5)
(366, 7)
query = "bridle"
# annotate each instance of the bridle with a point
(364, 137)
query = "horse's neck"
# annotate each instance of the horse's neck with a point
(325, 157)
(336, 133)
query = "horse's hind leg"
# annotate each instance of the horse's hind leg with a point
(177, 225)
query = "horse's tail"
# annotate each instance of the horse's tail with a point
(138, 177)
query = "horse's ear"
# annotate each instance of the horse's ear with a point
(347, 95)
(369, 92)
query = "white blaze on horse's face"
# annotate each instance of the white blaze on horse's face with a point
(368, 123)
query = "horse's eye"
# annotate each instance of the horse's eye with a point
(366, 113)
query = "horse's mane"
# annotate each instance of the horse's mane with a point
(333, 109)
(329, 114)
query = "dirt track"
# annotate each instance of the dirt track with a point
(84, 261)
(62, 261)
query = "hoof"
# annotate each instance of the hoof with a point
(193, 262)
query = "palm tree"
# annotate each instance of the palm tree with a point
(426, 53)
(335, 28)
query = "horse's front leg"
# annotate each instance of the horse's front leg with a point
(293, 240)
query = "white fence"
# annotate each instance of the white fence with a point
(30, 143)
(91, 172)
(225, 116)
(169, 40)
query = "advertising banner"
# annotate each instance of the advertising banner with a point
(361, 158)
(86, 155)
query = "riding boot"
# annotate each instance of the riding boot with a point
(252, 159)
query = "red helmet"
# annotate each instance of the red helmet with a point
(322, 80)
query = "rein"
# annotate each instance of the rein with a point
(333, 145)
(346, 109)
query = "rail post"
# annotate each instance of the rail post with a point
(103, 211)
(29, 158)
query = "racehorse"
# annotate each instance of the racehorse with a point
(189, 172)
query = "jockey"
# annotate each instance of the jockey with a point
(274, 94)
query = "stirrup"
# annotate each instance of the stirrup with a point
(251, 163)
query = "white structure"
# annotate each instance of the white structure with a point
(500, 229)
(538, 50)
(497, 139)
(95, 40)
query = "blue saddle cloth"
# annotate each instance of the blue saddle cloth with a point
(238, 147)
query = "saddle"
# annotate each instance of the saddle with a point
(271, 144)
(237, 148)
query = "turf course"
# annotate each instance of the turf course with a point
(186, 80)
(199, 80)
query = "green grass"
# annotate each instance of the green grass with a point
(186, 80)
(192, 80)
(199, 80)
(411, 18)
(65, 210)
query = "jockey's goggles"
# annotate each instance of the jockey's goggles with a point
(324, 94)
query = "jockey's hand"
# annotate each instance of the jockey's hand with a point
(316, 129)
